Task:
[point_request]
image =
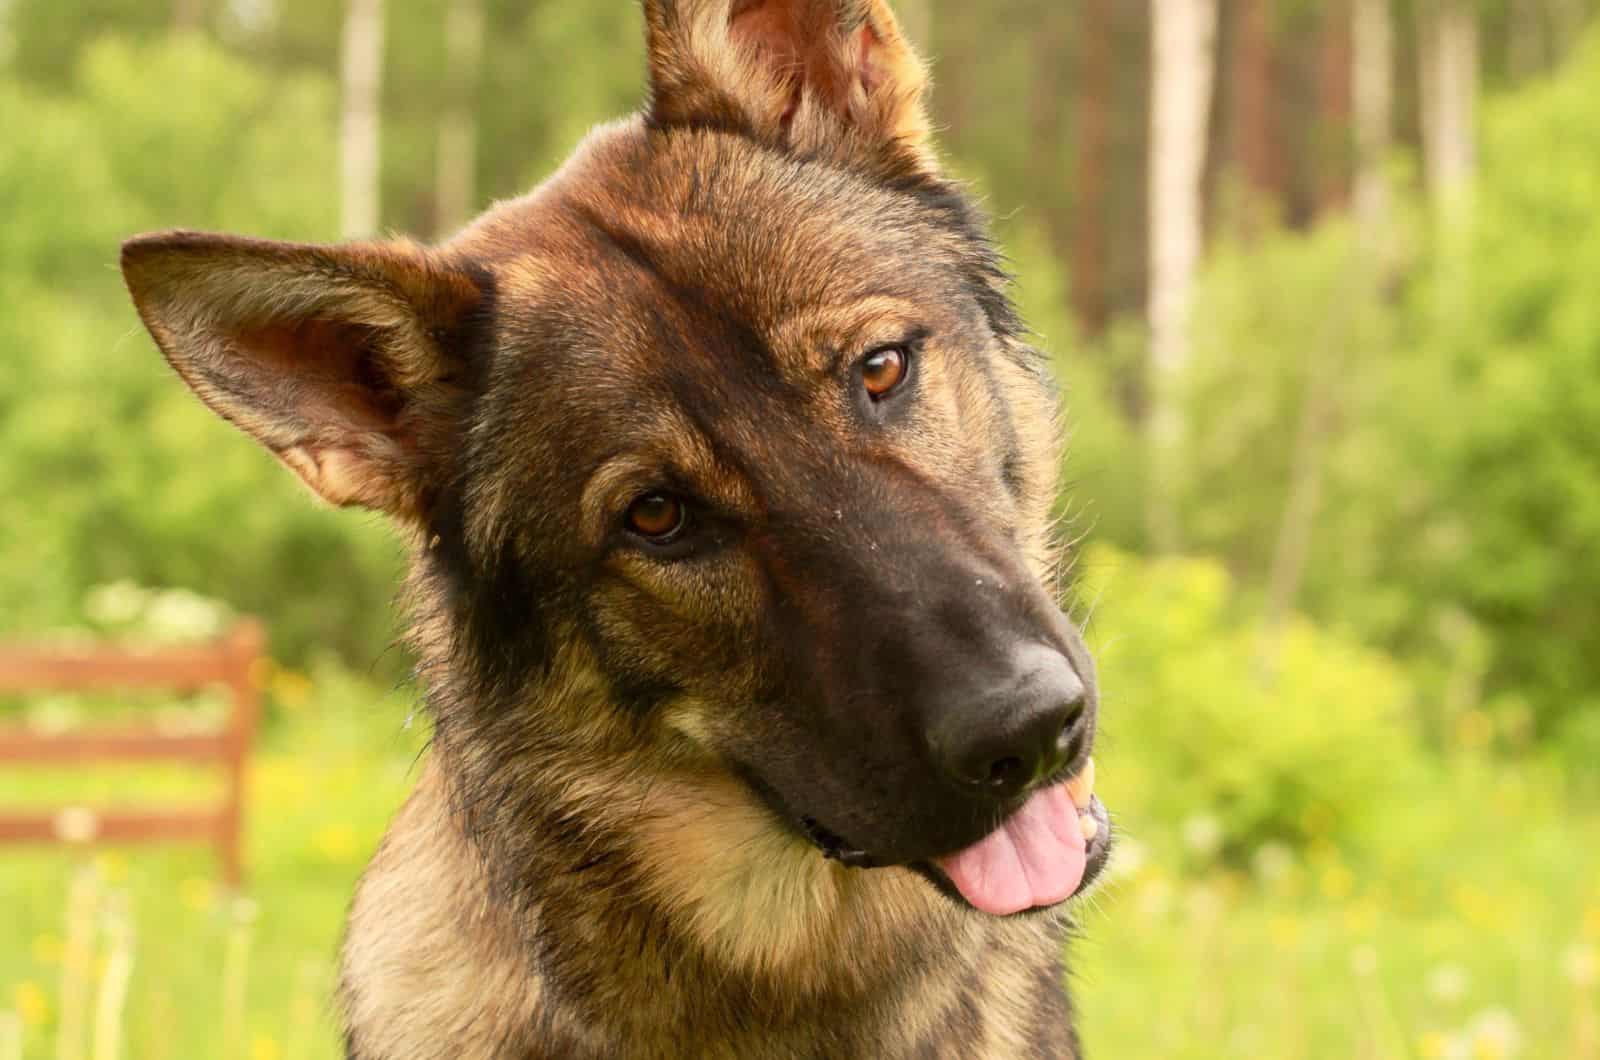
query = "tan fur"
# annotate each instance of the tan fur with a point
(576, 875)
(433, 985)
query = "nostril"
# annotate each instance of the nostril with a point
(1069, 746)
(1070, 737)
(1009, 774)
(1071, 714)
(1028, 733)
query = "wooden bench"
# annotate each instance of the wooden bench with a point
(230, 661)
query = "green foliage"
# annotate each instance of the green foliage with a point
(322, 788)
(1440, 394)
(112, 469)
(1280, 323)
(1208, 734)
(1513, 367)
(1101, 475)
(1451, 588)
(1480, 898)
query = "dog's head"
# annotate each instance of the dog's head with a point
(736, 407)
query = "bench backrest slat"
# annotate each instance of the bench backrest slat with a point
(230, 662)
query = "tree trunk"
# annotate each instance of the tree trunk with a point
(1333, 107)
(1448, 41)
(916, 21)
(1372, 89)
(1091, 164)
(1049, 95)
(1319, 403)
(1567, 18)
(1254, 150)
(1525, 49)
(1449, 70)
(1372, 92)
(359, 133)
(1182, 54)
(188, 14)
(455, 184)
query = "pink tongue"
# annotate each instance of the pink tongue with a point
(1035, 858)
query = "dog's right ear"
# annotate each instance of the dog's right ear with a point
(819, 77)
(347, 362)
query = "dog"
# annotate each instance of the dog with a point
(728, 471)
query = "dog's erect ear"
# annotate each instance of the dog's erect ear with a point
(829, 77)
(347, 362)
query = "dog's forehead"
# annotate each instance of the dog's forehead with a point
(645, 231)
(690, 285)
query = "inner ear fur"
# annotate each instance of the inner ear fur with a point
(347, 362)
(832, 78)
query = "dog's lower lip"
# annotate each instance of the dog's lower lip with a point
(835, 848)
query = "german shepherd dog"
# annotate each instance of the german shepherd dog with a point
(757, 728)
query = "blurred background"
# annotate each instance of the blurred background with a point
(1319, 280)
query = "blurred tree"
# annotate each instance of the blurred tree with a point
(916, 21)
(1400, 467)
(1525, 46)
(188, 14)
(456, 181)
(1448, 72)
(1372, 76)
(1513, 372)
(112, 470)
(1093, 88)
(1332, 153)
(359, 139)
(1181, 71)
(1328, 359)
(1255, 148)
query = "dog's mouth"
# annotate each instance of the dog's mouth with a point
(1046, 851)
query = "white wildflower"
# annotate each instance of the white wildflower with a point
(1202, 834)
(118, 603)
(1272, 862)
(1447, 984)
(1495, 1034)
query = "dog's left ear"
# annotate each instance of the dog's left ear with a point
(834, 78)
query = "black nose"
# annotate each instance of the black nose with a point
(1021, 735)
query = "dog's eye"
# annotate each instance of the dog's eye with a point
(884, 370)
(657, 517)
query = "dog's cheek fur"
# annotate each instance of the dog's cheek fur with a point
(576, 795)
(641, 833)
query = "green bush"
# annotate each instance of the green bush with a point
(1457, 523)
(113, 470)
(1211, 733)
(1511, 334)
(1102, 474)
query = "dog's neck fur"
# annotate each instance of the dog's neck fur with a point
(613, 923)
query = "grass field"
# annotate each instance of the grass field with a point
(1471, 930)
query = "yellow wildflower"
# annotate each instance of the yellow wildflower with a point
(1475, 729)
(1591, 922)
(337, 843)
(31, 1003)
(47, 949)
(291, 688)
(112, 867)
(1433, 1045)
(198, 893)
(261, 671)
(1338, 882)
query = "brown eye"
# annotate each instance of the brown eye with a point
(884, 370)
(656, 516)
